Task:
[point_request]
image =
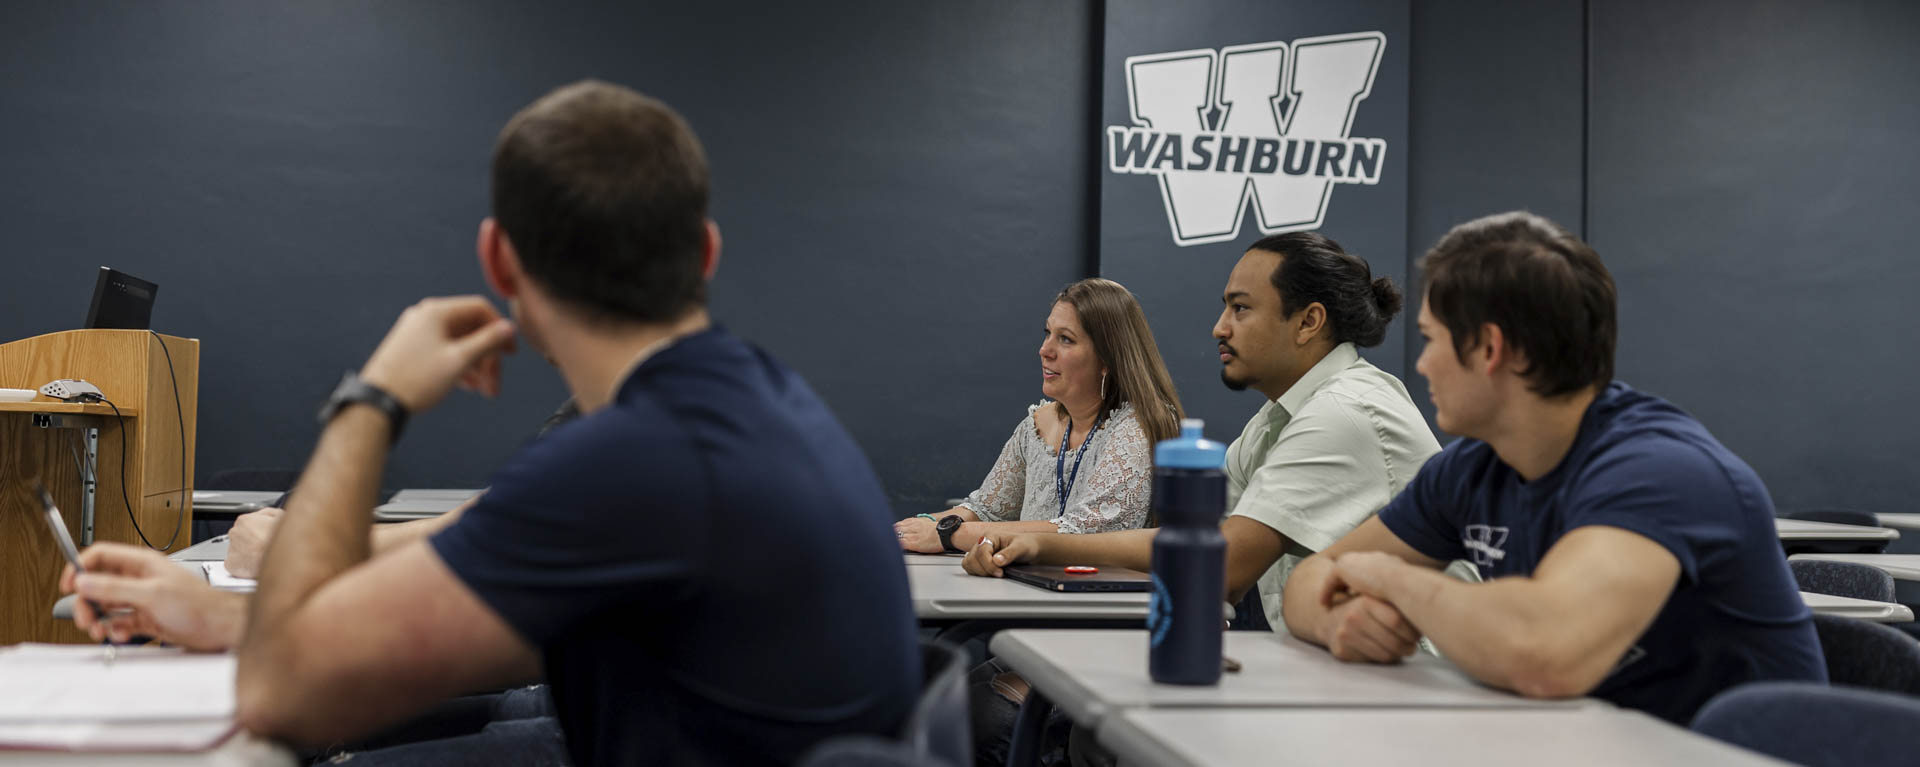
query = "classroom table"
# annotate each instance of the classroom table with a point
(1804, 530)
(1905, 567)
(1090, 674)
(1901, 520)
(412, 504)
(210, 550)
(240, 750)
(233, 501)
(939, 560)
(1858, 609)
(949, 593)
(1429, 737)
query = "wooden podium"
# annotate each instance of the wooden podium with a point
(50, 441)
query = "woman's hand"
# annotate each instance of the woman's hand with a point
(918, 534)
(992, 555)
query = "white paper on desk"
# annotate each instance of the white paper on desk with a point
(204, 495)
(219, 578)
(74, 684)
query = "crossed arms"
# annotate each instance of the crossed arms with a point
(1555, 633)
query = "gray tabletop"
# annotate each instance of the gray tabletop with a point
(210, 550)
(233, 500)
(421, 504)
(950, 593)
(1858, 609)
(941, 560)
(1803, 530)
(1429, 737)
(1090, 674)
(241, 750)
(1904, 567)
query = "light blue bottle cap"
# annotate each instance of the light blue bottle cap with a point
(1190, 450)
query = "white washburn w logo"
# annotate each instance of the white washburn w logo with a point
(1264, 124)
(1483, 543)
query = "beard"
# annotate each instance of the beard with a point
(1234, 384)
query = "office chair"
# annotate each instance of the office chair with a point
(1843, 579)
(1869, 655)
(1813, 724)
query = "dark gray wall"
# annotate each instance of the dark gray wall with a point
(1180, 287)
(1746, 173)
(1498, 94)
(901, 187)
(1751, 186)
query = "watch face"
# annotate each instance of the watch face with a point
(949, 522)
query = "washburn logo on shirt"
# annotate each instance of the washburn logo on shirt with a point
(1262, 124)
(1483, 542)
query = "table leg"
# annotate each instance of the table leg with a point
(1029, 729)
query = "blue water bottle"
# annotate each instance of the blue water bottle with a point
(1184, 617)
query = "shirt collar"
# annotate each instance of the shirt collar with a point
(645, 354)
(1337, 360)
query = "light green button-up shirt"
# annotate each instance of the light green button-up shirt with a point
(1326, 455)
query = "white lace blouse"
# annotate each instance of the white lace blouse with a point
(1112, 492)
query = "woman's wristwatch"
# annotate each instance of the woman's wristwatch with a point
(946, 528)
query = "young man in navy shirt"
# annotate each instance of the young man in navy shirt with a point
(628, 556)
(1627, 554)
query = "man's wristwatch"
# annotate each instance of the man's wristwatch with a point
(946, 527)
(353, 390)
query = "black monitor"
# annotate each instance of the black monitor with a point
(121, 300)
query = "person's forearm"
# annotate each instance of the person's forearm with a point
(1132, 549)
(1495, 631)
(226, 620)
(326, 528)
(970, 533)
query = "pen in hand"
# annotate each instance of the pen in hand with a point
(58, 526)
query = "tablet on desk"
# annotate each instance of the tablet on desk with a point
(1056, 578)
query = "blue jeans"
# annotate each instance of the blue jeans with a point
(993, 714)
(516, 727)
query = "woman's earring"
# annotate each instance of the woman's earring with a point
(1103, 386)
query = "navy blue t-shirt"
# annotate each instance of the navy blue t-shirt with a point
(707, 566)
(1641, 465)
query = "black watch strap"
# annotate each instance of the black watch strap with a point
(946, 533)
(353, 390)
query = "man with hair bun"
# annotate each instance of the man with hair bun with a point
(1627, 554)
(1336, 440)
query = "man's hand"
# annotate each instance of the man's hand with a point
(1359, 573)
(991, 556)
(918, 534)
(247, 541)
(1366, 629)
(437, 343)
(167, 602)
(1361, 625)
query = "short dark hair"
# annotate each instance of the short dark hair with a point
(1315, 268)
(603, 193)
(1546, 290)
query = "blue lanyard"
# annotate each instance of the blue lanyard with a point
(1062, 481)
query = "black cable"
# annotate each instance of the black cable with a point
(123, 479)
(180, 419)
(180, 520)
